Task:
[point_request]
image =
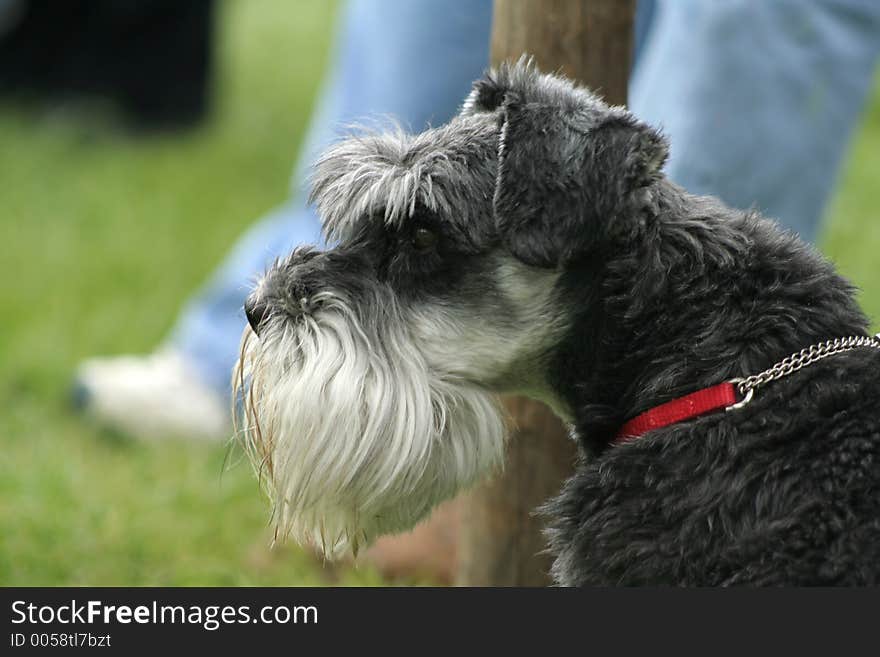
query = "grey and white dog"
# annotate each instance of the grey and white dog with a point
(533, 245)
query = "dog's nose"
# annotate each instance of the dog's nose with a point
(255, 310)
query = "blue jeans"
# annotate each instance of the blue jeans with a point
(757, 98)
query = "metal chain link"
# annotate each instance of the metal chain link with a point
(746, 386)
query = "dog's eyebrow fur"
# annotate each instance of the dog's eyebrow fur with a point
(390, 174)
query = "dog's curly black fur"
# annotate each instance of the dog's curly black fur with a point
(784, 491)
(677, 293)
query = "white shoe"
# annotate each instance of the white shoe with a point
(151, 397)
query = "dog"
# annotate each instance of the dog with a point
(533, 245)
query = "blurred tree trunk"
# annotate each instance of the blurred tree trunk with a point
(501, 542)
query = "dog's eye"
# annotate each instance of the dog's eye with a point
(424, 238)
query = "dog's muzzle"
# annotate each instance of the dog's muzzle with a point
(288, 288)
(352, 432)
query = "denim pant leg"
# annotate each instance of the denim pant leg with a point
(408, 60)
(758, 98)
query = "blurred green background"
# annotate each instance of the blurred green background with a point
(104, 236)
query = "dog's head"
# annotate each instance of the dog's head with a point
(366, 383)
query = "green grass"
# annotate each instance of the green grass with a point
(79, 205)
(852, 236)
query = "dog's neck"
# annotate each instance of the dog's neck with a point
(702, 294)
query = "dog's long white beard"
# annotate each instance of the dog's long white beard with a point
(351, 432)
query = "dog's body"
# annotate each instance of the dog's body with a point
(782, 491)
(532, 245)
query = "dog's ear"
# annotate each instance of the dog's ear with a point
(570, 175)
(487, 93)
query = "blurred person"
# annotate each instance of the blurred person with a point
(728, 81)
(152, 58)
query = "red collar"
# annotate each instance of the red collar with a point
(724, 395)
(690, 406)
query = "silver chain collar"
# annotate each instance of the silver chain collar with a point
(746, 386)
